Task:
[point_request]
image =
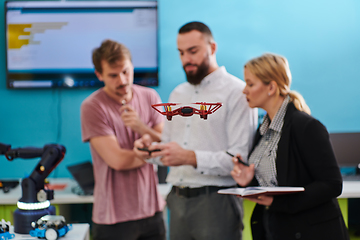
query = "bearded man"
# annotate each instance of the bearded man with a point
(194, 148)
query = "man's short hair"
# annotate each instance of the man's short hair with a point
(110, 51)
(198, 26)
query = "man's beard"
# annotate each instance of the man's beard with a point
(198, 76)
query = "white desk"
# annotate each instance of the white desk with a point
(78, 232)
(63, 196)
(351, 189)
(60, 196)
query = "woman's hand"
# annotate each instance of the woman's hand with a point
(261, 199)
(242, 174)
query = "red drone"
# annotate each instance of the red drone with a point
(187, 111)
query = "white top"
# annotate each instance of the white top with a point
(230, 128)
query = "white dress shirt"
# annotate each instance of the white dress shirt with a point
(231, 128)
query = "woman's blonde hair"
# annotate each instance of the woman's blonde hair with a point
(272, 67)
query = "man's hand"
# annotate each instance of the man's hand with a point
(242, 174)
(173, 154)
(131, 119)
(143, 142)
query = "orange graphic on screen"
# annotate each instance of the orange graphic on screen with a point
(23, 34)
(15, 31)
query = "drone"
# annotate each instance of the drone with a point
(187, 111)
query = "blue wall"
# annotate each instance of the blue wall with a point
(319, 38)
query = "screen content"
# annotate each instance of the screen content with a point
(50, 44)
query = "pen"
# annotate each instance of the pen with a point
(239, 160)
(123, 102)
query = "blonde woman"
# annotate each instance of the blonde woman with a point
(291, 148)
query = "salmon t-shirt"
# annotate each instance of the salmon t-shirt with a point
(121, 196)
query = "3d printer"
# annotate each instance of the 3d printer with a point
(35, 200)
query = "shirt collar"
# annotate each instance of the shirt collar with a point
(212, 77)
(278, 121)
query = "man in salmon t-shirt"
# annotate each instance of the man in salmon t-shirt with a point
(127, 204)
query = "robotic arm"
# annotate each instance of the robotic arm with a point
(33, 186)
(34, 202)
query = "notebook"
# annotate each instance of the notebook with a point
(84, 176)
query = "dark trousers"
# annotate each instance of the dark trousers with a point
(267, 225)
(204, 216)
(151, 228)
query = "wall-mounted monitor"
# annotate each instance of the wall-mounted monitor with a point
(49, 44)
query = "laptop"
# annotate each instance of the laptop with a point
(84, 176)
(346, 147)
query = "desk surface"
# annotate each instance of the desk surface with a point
(351, 189)
(63, 196)
(78, 232)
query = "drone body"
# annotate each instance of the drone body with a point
(186, 111)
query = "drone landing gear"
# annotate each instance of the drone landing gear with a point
(203, 116)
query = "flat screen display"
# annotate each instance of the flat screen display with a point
(49, 44)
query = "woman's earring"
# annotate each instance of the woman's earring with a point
(269, 94)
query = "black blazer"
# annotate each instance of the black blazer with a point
(304, 159)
